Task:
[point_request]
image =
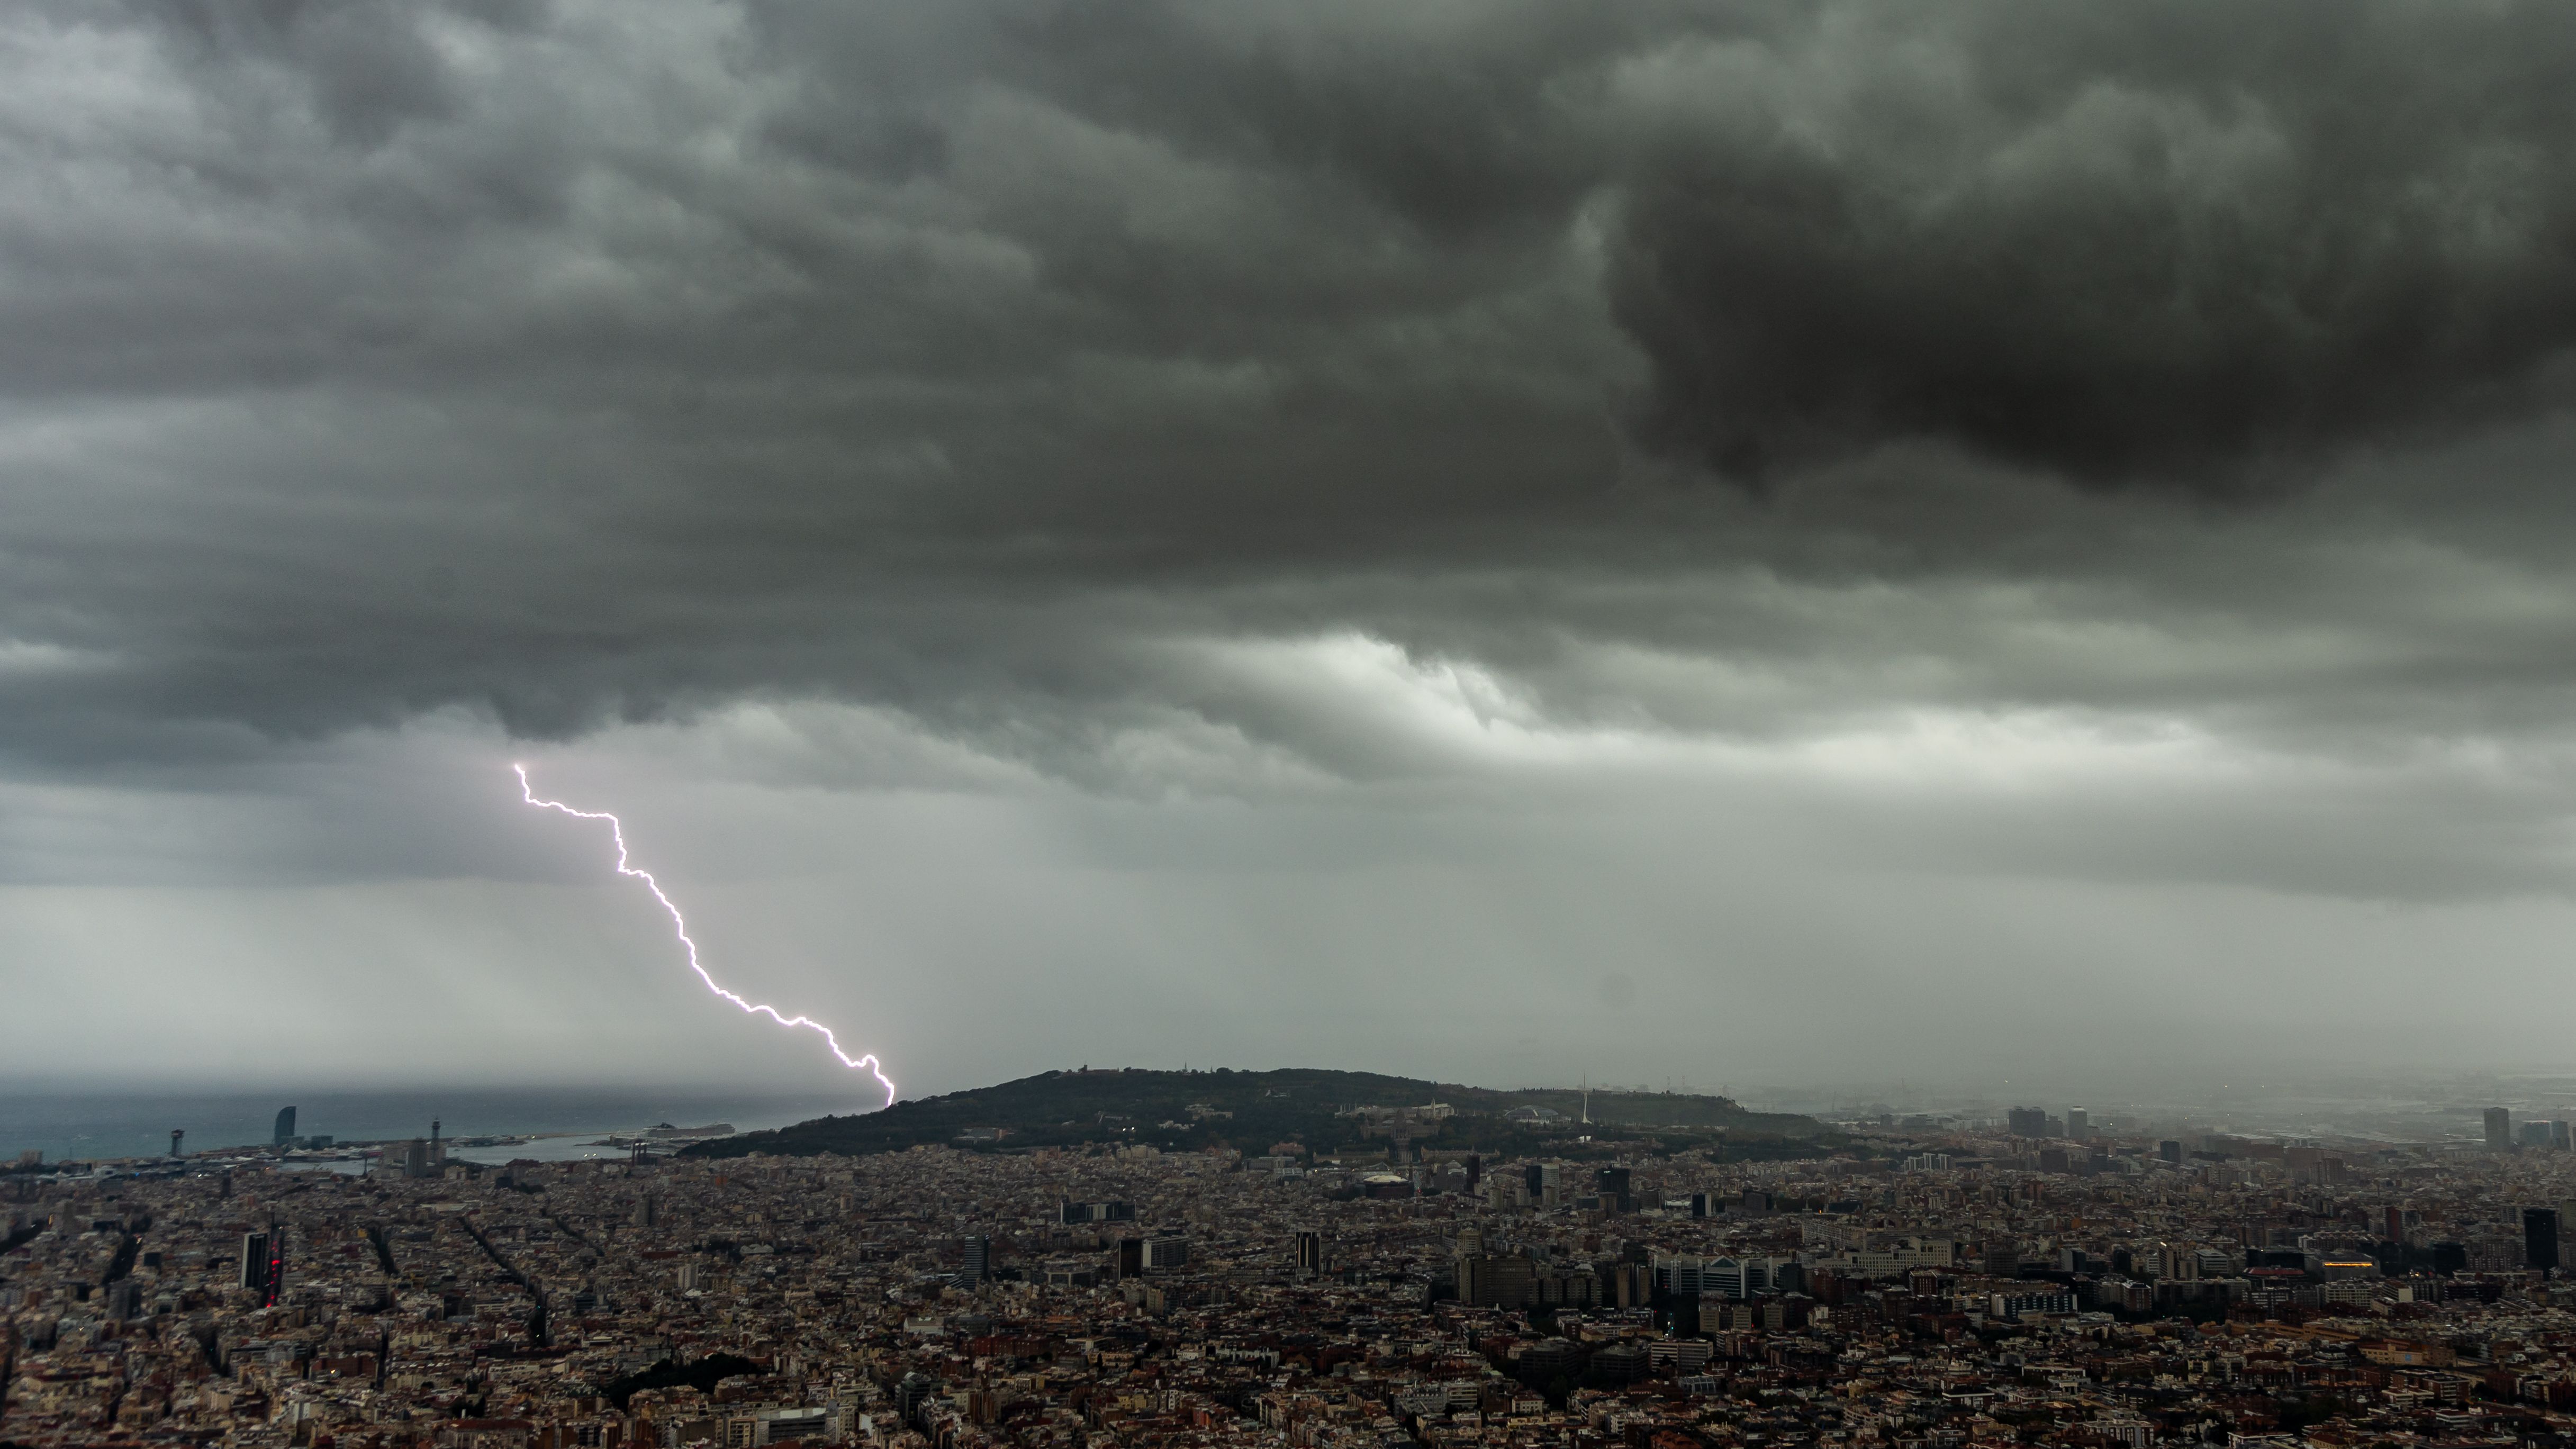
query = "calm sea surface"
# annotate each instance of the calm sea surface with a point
(87, 1126)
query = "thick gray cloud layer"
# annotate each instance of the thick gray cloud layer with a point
(576, 361)
(1463, 534)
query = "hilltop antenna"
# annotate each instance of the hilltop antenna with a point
(1587, 1099)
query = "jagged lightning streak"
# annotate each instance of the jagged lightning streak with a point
(680, 928)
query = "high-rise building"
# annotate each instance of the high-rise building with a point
(285, 1132)
(910, 1394)
(1495, 1280)
(979, 1260)
(2027, 1121)
(1631, 1286)
(1475, 1172)
(2499, 1127)
(177, 1136)
(263, 1264)
(1162, 1254)
(2079, 1123)
(1127, 1258)
(2562, 1135)
(2540, 1238)
(1310, 1253)
(1610, 1190)
(2534, 1135)
(2170, 1150)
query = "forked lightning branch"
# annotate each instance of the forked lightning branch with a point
(680, 928)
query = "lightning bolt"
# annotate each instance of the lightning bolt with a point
(680, 928)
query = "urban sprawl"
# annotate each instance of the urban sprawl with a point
(1930, 1284)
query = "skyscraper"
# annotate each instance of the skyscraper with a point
(285, 1127)
(1310, 1253)
(263, 1263)
(2540, 1238)
(2027, 1121)
(979, 1260)
(2499, 1127)
(2079, 1123)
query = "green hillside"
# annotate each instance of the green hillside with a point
(1252, 1111)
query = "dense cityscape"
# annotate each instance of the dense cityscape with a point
(1910, 1281)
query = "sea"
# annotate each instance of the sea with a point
(568, 1123)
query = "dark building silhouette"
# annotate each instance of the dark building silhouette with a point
(2540, 1238)
(979, 1260)
(1310, 1253)
(177, 1136)
(285, 1127)
(263, 1264)
(2499, 1127)
(1128, 1259)
(910, 1394)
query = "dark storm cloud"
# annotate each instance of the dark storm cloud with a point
(2201, 243)
(581, 362)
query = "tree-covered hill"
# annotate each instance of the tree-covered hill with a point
(1255, 1111)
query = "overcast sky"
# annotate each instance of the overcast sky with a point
(1695, 542)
